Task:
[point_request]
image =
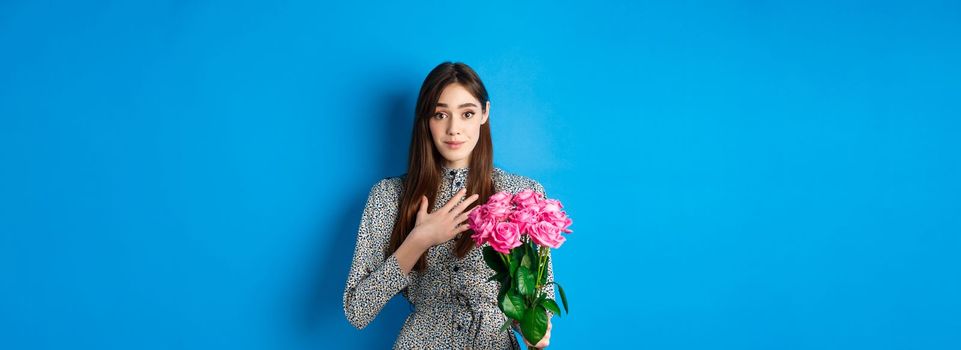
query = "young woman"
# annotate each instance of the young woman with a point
(413, 236)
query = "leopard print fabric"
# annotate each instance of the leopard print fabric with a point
(454, 306)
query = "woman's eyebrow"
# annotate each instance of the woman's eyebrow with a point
(468, 104)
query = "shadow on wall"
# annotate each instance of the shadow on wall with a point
(319, 314)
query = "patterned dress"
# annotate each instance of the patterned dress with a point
(455, 307)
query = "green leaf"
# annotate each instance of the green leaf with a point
(551, 305)
(563, 296)
(534, 324)
(499, 277)
(525, 281)
(493, 259)
(504, 288)
(513, 305)
(515, 258)
(530, 259)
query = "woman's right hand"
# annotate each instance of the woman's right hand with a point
(443, 224)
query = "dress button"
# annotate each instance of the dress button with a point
(456, 268)
(457, 184)
(452, 173)
(459, 327)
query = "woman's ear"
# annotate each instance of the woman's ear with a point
(487, 111)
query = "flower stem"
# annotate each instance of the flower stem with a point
(540, 267)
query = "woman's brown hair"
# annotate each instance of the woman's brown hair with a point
(425, 161)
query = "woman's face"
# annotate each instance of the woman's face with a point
(455, 125)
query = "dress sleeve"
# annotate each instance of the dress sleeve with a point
(373, 280)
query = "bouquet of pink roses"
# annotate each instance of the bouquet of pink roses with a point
(520, 230)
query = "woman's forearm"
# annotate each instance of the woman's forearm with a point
(409, 252)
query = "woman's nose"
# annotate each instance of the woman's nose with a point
(453, 128)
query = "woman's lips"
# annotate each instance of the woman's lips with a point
(453, 145)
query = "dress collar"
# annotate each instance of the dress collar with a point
(448, 171)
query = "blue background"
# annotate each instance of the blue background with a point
(745, 175)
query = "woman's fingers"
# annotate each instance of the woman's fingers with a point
(451, 211)
(462, 216)
(463, 205)
(545, 341)
(457, 229)
(547, 337)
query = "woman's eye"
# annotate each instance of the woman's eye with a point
(439, 115)
(469, 114)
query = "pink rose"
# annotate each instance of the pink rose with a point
(527, 199)
(551, 205)
(483, 234)
(481, 223)
(498, 211)
(505, 237)
(524, 218)
(502, 198)
(501, 225)
(551, 212)
(546, 234)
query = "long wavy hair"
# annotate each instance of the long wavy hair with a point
(424, 162)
